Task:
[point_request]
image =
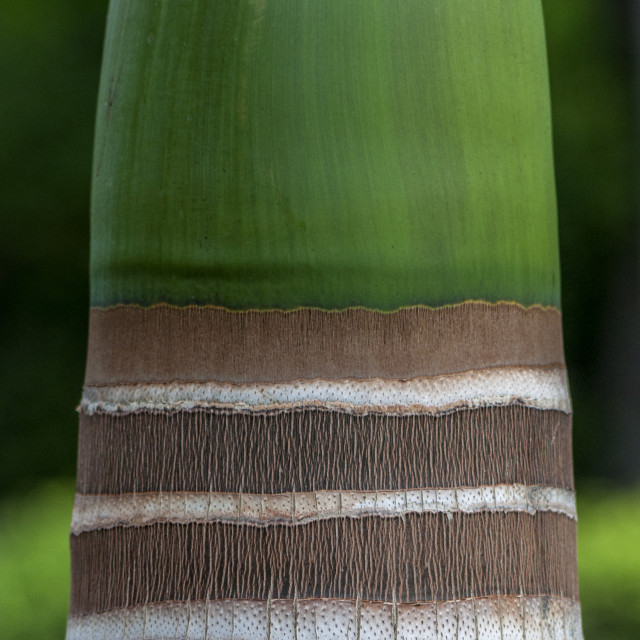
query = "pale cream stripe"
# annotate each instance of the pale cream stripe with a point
(93, 512)
(537, 387)
(486, 618)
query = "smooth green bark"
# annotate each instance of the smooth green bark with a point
(287, 153)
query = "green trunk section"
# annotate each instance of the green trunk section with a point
(335, 153)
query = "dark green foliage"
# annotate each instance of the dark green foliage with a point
(49, 60)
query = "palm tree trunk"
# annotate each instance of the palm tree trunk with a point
(325, 393)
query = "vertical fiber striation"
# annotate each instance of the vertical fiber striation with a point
(276, 154)
(325, 393)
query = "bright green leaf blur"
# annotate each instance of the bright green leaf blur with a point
(609, 563)
(34, 562)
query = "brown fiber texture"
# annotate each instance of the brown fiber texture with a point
(315, 449)
(411, 559)
(129, 344)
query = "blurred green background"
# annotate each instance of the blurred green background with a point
(49, 64)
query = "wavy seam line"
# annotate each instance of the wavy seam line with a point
(536, 387)
(451, 305)
(131, 345)
(92, 512)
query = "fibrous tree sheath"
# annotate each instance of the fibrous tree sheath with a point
(325, 393)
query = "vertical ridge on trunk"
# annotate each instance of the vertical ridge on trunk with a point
(326, 394)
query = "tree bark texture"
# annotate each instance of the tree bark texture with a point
(326, 393)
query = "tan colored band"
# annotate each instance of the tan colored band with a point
(490, 618)
(539, 388)
(129, 344)
(92, 512)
